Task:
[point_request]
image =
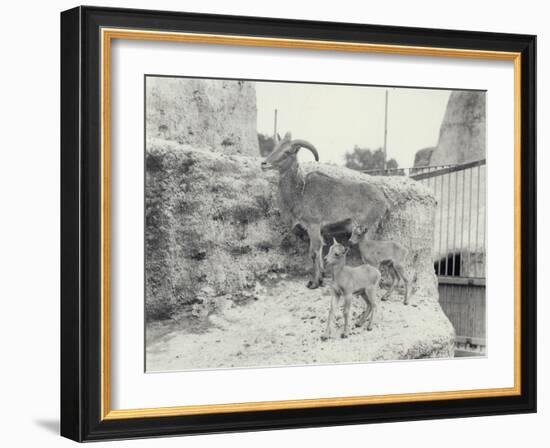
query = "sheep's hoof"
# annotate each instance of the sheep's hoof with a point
(324, 338)
(344, 336)
(384, 299)
(312, 285)
(369, 328)
(405, 303)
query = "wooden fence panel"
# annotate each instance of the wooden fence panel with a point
(464, 305)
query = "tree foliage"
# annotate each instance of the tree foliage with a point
(367, 159)
(266, 144)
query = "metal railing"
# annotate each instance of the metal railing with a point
(460, 220)
(405, 171)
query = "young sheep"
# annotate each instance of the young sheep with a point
(346, 281)
(389, 254)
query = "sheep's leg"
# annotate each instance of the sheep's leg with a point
(321, 261)
(370, 293)
(315, 252)
(333, 305)
(395, 278)
(347, 309)
(401, 272)
(361, 321)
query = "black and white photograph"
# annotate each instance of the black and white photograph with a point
(293, 224)
(273, 224)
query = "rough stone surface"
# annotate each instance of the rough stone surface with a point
(216, 115)
(462, 137)
(212, 227)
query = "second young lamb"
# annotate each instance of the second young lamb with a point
(389, 254)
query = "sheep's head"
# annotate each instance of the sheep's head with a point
(357, 234)
(284, 153)
(336, 254)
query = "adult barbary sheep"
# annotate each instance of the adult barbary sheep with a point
(315, 200)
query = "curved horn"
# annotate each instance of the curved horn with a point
(305, 144)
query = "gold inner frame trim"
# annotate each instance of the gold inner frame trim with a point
(107, 35)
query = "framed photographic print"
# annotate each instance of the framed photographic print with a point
(273, 223)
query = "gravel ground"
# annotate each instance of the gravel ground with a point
(282, 324)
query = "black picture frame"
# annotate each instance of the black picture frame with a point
(81, 224)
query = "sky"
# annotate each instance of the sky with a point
(335, 118)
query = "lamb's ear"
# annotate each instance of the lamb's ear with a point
(288, 137)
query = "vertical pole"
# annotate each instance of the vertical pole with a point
(275, 126)
(471, 170)
(455, 221)
(386, 130)
(440, 203)
(484, 272)
(448, 230)
(462, 251)
(478, 208)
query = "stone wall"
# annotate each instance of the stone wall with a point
(216, 115)
(462, 136)
(212, 226)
